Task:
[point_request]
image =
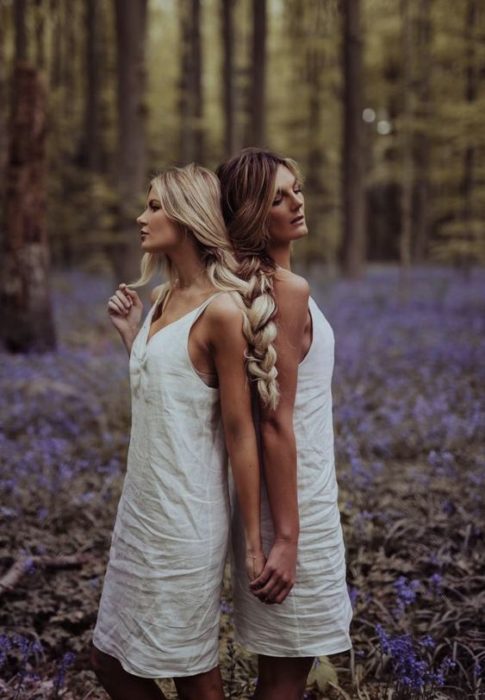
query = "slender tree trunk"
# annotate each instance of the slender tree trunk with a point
(353, 248)
(422, 151)
(40, 34)
(20, 11)
(257, 95)
(229, 96)
(314, 76)
(131, 30)
(70, 36)
(196, 73)
(91, 143)
(407, 166)
(27, 323)
(57, 56)
(191, 95)
(3, 102)
(469, 159)
(186, 147)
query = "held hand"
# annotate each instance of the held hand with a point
(255, 562)
(278, 576)
(125, 311)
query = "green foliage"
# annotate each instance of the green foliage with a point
(445, 104)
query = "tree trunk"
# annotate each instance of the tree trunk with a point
(191, 96)
(57, 55)
(91, 154)
(353, 247)
(27, 323)
(3, 103)
(196, 73)
(256, 108)
(130, 32)
(39, 15)
(421, 150)
(20, 14)
(407, 114)
(229, 97)
(469, 157)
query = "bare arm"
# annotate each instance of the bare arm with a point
(279, 445)
(229, 346)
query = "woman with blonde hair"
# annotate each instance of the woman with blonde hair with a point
(191, 409)
(306, 611)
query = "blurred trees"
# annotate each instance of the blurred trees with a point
(191, 94)
(353, 201)
(134, 85)
(27, 322)
(228, 68)
(256, 134)
(131, 166)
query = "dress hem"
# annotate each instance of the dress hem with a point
(159, 675)
(293, 653)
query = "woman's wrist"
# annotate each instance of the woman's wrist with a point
(129, 335)
(287, 536)
(254, 546)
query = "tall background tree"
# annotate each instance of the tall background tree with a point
(256, 131)
(27, 322)
(228, 69)
(353, 245)
(131, 171)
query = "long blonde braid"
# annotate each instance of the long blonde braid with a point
(247, 190)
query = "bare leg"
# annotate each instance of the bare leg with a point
(118, 683)
(203, 686)
(282, 678)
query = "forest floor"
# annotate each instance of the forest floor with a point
(409, 429)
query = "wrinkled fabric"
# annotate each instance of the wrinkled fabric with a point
(315, 617)
(160, 605)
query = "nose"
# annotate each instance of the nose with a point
(140, 219)
(296, 200)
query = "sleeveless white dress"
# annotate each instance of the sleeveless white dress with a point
(315, 617)
(160, 605)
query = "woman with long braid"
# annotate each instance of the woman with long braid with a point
(303, 609)
(191, 408)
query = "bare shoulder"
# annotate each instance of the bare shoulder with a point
(226, 309)
(291, 290)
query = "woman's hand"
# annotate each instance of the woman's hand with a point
(255, 562)
(125, 311)
(278, 575)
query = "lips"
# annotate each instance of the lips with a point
(298, 219)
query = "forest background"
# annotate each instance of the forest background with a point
(381, 102)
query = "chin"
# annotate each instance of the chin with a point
(300, 233)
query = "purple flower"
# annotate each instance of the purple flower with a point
(66, 661)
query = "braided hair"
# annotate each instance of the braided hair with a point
(247, 191)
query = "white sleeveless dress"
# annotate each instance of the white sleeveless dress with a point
(160, 605)
(315, 617)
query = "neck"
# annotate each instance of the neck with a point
(281, 255)
(189, 271)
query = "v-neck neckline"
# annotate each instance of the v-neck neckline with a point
(149, 338)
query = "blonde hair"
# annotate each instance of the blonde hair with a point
(247, 192)
(191, 197)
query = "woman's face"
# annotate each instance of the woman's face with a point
(286, 221)
(158, 233)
